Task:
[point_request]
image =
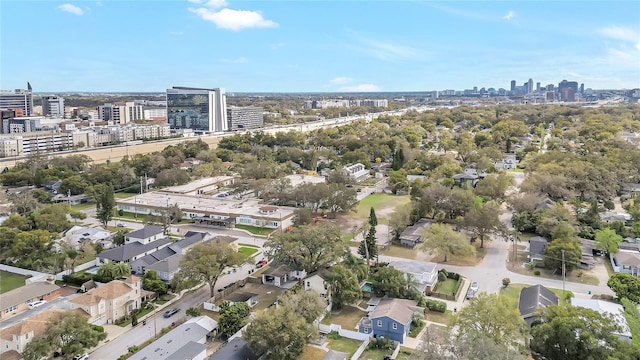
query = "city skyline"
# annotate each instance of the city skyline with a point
(320, 46)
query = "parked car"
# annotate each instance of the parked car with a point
(473, 289)
(35, 304)
(84, 356)
(261, 263)
(171, 312)
(120, 225)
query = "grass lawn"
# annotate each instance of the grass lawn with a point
(348, 317)
(577, 275)
(164, 298)
(400, 251)
(249, 251)
(212, 314)
(378, 201)
(248, 245)
(10, 281)
(346, 237)
(448, 287)
(378, 354)
(255, 230)
(440, 318)
(339, 343)
(513, 292)
(312, 353)
(124, 195)
(83, 206)
(415, 330)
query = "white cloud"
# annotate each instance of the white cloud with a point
(216, 4)
(386, 51)
(620, 33)
(176, 33)
(234, 20)
(340, 80)
(195, 1)
(509, 15)
(71, 9)
(360, 88)
(239, 60)
(278, 45)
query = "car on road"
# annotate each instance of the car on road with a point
(261, 263)
(84, 356)
(473, 289)
(171, 312)
(35, 304)
(120, 225)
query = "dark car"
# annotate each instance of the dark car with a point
(171, 312)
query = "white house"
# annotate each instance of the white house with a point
(616, 311)
(77, 235)
(626, 262)
(357, 171)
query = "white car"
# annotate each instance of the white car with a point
(35, 304)
(84, 356)
(473, 290)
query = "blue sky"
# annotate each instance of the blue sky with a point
(316, 46)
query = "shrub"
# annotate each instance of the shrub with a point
(567, 295)
(537, 272)
(193, 311)
(454, 276)
(380, 343)
(133, 348)
(436, 305)
(506, 282)
(120, 212)
(97, 328)
(442, 276)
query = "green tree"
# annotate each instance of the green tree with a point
(344, 286)
(340, 199)
(305, 304)
(152, 282)
(105, 203)
(368, 246)
(553, 255)
(491, 316)
(206, 262)
(310, 247)
(484, 220)
(233, 317)
(113, 270)
(607, 240)
(278, 334)
(572, 332)
(445, 242)
(388, 281)
(68, 333)
(625, 286)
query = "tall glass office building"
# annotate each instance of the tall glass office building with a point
(203, 110)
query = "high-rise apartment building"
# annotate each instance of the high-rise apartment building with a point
(18, 99)
(513, 85)
(529, 86)
(247, 117)
(52, 105)
(120, 113)
(203, 110)
(564, 84)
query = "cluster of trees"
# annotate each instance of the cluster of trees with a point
(283, 332)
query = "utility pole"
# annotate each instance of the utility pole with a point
(564, 271)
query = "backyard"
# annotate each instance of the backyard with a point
(342, 344)
(378, 354)
(448, 287)
(348, 317)
(312, 353)
(10, 281)
(512, 292)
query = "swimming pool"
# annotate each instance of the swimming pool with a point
(366, 287)
(93, 270)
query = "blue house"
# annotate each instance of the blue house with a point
(391, 319)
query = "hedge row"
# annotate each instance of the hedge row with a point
(435, 305)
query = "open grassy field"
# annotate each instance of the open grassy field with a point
(249, 251)
(379, 202)
(348, 317)
(10, 281)
(312, 353)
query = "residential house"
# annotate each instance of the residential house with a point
(508, 163)
(318, 282)
(236, 349)
(424, 274)
(615, 311)
(17, 300)
(626, 262)
(282, 276)
(166, 261)
(631, 190)
(537, 247)
(391, 319)
(70, 200)
(109, 302)
(17, 336)
(186, 341)
(242, 297)
(78, 235)
(412, 235)
(612, 216)
(357, 171)
(469, 178)
(133, 251)
(145, 235)
(535, 298)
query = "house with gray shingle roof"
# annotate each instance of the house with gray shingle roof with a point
(145, 235)
(535, 298)
(391, 319)
(132, 251)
